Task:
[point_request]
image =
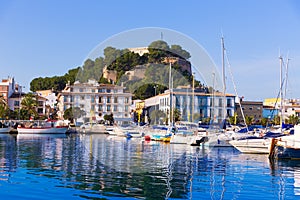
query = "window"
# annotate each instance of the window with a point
(108, 99)
(100, 109)
(93, 99)
(81, 89)
(81, 97)
(93, 90)
(108, 108)
(40, 103)
(16, 103)
(220, 102)
(126, 108)
(40, 110)
(116, 100)
(108, 90)
(115, 108)
(100, 99)
(126, 100)
(92, 107)
(228, 103)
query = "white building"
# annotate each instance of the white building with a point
(96, 100)
(50, 96)
(7, 88)
(197, 103)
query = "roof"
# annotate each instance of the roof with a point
(17, 95)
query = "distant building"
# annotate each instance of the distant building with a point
(7, 88)
(96, 100)
(50, 96)
(251, 109)
(17, 97)
(140, 50)
(193, 106)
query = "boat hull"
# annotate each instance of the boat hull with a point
(255, 146)
(50, 130)
(5, 130)
(291, 153)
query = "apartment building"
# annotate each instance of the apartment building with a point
(96, 100)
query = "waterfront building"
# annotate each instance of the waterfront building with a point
(7, 88)
(96, 100)
(252, 109)
(17, 97)
(50, 96)
(194, 105)
(272, 107)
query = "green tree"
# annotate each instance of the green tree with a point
(73, 113)
(109, 118)
(249, 120)
(196, 117)
(156, 116)
(276, 120)
(177, 115)
(264, 121)
(179, 52)
(157, 51)
(29, 103)
(148, 90)
(293, 119)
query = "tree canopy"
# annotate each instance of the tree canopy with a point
(123, 60)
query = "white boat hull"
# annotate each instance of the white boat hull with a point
(5, 130)
(255, 146)
(50, 130)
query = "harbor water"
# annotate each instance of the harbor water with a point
(98, 166)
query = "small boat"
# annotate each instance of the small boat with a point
(5, 127)
(47, 127)
(91, 127)
(286, 147)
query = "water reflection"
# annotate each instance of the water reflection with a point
(99, 166)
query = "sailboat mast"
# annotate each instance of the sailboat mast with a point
(281, 95)
(224, 81)
(170, 98)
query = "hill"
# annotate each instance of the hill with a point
(129, 68)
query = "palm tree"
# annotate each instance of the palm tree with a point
(29, 103)
(3, 107)
(293, 119)
(249, 120)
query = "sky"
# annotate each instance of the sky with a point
(47, 38)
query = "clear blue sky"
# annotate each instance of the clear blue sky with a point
(47, 38)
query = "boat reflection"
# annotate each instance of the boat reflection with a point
(102, 166)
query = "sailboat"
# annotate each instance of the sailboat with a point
(221, 136)
(164, 133)
(262, 144)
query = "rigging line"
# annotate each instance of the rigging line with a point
(278, 95)
(235, 89)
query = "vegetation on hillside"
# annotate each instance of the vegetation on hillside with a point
(122, 60)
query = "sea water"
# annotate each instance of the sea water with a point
(91, 166)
